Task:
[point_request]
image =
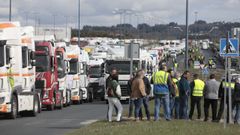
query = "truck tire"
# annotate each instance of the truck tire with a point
(51, 107)
(69, 98)
(35, 110)
(81, 97)
(14, 108)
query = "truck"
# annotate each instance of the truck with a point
(17, 71)
(73, 76)
(84, 60)
(47, 73)
(123, 67)
(96, 79)
(62, 73)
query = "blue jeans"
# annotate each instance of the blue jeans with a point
(166, 105)
(172, 103)
(237, 115)
(131, 104)
(138, 103)
(146, 107)
(183, 110)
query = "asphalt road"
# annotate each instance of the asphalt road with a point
(56, 122)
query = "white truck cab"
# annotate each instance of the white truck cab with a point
(17, 70)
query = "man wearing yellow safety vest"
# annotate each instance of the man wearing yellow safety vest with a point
(176, 106)
(210, 63)
(197, 87)
(162, 87)
(224, 84)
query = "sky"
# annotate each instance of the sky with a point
(100, 12)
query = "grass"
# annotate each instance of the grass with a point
(174, 127)
(177, 127)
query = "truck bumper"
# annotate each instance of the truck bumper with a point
(75, 98)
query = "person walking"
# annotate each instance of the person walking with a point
(211, 97)
(177, 102)
(236, 101)
(184, 92)
(138, 93)
(197, 87)
(162, 86)
(113, 74)
(146, 98)
(114, 94)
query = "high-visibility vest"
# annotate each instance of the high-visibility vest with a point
(160, 77)
(175, 81)
(175, 65)
(226, 85)
(198, 88)
(210, 61)
(10, 78)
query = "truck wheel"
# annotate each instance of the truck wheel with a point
(14, 108)
(35, 110)
(66, 101)
(61, 103)
(51, 107)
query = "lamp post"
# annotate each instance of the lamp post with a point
(79, 22)
(186, 40)
(10, 10)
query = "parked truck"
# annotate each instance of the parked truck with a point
(17, 71)
(62, 64)
(96, 79)
(73, 77)
(47, 73)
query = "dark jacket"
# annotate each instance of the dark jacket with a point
(147, 85)
(236, 93)
(184, 87)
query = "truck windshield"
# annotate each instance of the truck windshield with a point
(123, 67)
(94, 71)
(61, 67)
(1, 56)
(42, 63)
(73, 67)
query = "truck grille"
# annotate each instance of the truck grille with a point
(39, 84)
(124, 90)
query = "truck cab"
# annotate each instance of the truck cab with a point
(47, 74)
(73, 76)
(17, 71)
(96, 79)
(62, 64)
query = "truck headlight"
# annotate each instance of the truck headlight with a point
(45, 94)
(2, 99)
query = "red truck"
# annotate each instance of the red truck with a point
(47, 75)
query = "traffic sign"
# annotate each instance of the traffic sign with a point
(231, 49)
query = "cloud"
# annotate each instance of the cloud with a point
(99, 12)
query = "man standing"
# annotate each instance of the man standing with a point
(162, 86)
(197, 87)
(176, 103)
(211, 97)
(224, 84)
(146, 98)
(184, 90)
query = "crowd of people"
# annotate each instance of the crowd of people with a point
(175, 93)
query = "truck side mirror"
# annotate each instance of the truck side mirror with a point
(32, 55)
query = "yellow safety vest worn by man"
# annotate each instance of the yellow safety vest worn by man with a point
(198, 88)
(160, 81)
(175, 81)
(226, 84)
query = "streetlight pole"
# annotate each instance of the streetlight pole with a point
(10, 10)
(186, 40)
(54, 23)
(78, 22)
(66, 17)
